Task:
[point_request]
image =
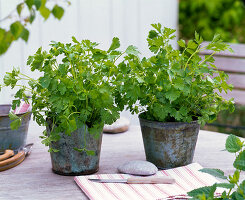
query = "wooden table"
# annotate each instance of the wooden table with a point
(33, 179)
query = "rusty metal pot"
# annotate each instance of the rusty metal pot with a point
(169, 144)
(68, 161)
(12, 139)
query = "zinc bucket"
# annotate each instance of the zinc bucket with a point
(12, 139)
(169, 144)
(68, 161)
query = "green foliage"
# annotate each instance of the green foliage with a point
(230, 123)
(226, 17)
(58, 11)
(79, 85)
(240, 161)
(202, 192)
(16, 120)
(236, 189)
(214, 172)
(176, 85)
(18, 29)
(89, 152)
(233, 144)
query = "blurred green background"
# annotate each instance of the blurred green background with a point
(208, 17)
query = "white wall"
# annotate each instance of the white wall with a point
(98, 20)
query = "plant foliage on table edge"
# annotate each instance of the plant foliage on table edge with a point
(177, 85)
(236, 189)
(79, 85)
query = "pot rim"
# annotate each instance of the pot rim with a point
(6, 115)
(158, 122)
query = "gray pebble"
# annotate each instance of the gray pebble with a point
(138, 167)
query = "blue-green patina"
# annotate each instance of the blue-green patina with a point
(169, 144)
(68, 161)
(12, 139)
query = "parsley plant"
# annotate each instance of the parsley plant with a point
(178, 85)
(78, 86)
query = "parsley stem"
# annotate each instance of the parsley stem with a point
(73, 71)
(72, 114)
(207, 58)
(184, 50)
(119, 57)
(198, 50)
(24, 87)
(29, 78)
(229, 193)
(114, 64)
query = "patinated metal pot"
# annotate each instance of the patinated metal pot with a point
(68, 161)
(12, 139)
(169, 144)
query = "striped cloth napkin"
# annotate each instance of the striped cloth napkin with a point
(23, 108)
(187, 178)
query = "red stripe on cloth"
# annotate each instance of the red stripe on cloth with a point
(176, 183)
(96, 188)
(92, 184)
(179, 175)
(181, 197)
(83, 188)
(24, 108)
(118, 186)
(152, 194)
(195, 176)
(133, 188)
(161, 190)
(184, 179)
(107, 187)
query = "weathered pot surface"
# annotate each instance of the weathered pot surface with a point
(72, 162)
(12, 139)
(169, 144)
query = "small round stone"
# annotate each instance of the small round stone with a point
(119, 126)
(138, 167)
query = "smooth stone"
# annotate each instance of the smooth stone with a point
(119, 126)
(138, 167)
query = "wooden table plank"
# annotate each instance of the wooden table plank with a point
(33, 179)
